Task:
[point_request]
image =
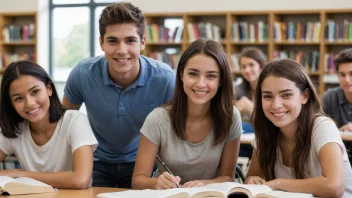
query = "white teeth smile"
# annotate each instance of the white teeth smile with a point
(34, 110)
(279, 114)
(201, 92)
(121, 60)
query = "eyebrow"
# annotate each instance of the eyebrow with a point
(282, 91)
(196, 70)
(113, 37)
(17, 94)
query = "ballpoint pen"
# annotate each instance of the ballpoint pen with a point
(167, 169)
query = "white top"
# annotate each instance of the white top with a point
(190, 161)
(72, 131)
(324, 132)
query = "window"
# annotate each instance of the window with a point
(73, 34)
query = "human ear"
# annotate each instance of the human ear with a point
(49, 89)
(101, 43)
(305, 96)
(143, 43)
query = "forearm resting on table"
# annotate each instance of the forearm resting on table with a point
(65, 179)
(143, 182)
(318, 186)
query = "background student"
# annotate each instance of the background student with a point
(297, 148)
(52, 145)
(197, 135)
(252, 61)
(338, 101)
(119, 90)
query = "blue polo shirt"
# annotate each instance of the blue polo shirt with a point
(116, 115)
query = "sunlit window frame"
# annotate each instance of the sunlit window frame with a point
(91, 5)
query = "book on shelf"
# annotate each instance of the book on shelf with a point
(310, 60)
(292, 31)
(22, 186)
(204, 30)
(338, 31)
(235, 62)
(221, 190)
(15, 33)
(253, 32)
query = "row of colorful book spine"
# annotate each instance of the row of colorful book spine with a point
(310, 60)
(204, 30)
(170, 59)
(6, 59)
(338, 32)
(14, 33)
(156, 33)
(297, 31)
(249, 32)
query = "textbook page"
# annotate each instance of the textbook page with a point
(5, 179)
(31, 181)
(285, 194)
(170, 193)
(145, 193)
(228, 187)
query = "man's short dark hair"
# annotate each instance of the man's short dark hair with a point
(344, 56)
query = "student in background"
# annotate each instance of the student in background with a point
(252, 61)
(119, 90)
(52, 145)
(198, 134)
(338, 101)
(297, 148)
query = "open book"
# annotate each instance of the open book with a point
(220, 190)
(23, 185)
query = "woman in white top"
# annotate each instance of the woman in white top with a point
(297, 148)
(52, 145)
(197, 135)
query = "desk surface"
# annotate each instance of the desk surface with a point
(247, 138)
(65, 193)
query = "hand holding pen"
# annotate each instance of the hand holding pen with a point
(167, 179)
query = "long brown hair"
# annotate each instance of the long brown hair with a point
(221, 107)
(267, 134)
(257, 55)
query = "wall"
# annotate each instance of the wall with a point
(169, 6)
(229, 5)
(18, 5)
(200, 5)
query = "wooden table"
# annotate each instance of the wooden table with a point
(65, 193)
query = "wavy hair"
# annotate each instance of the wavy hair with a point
(267, 134)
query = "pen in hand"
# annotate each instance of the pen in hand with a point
(167, 169)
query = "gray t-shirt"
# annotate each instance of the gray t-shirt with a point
(324, 132)
(336, 106)
(240, 92)
(190, 161)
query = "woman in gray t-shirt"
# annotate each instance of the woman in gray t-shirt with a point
(197, 135)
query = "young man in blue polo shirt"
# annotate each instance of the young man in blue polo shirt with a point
(338, 101)
(119, 90)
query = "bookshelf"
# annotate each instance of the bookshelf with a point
(303, 35)
(18, 37)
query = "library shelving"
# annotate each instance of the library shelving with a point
(18, 40)
(311, 37)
